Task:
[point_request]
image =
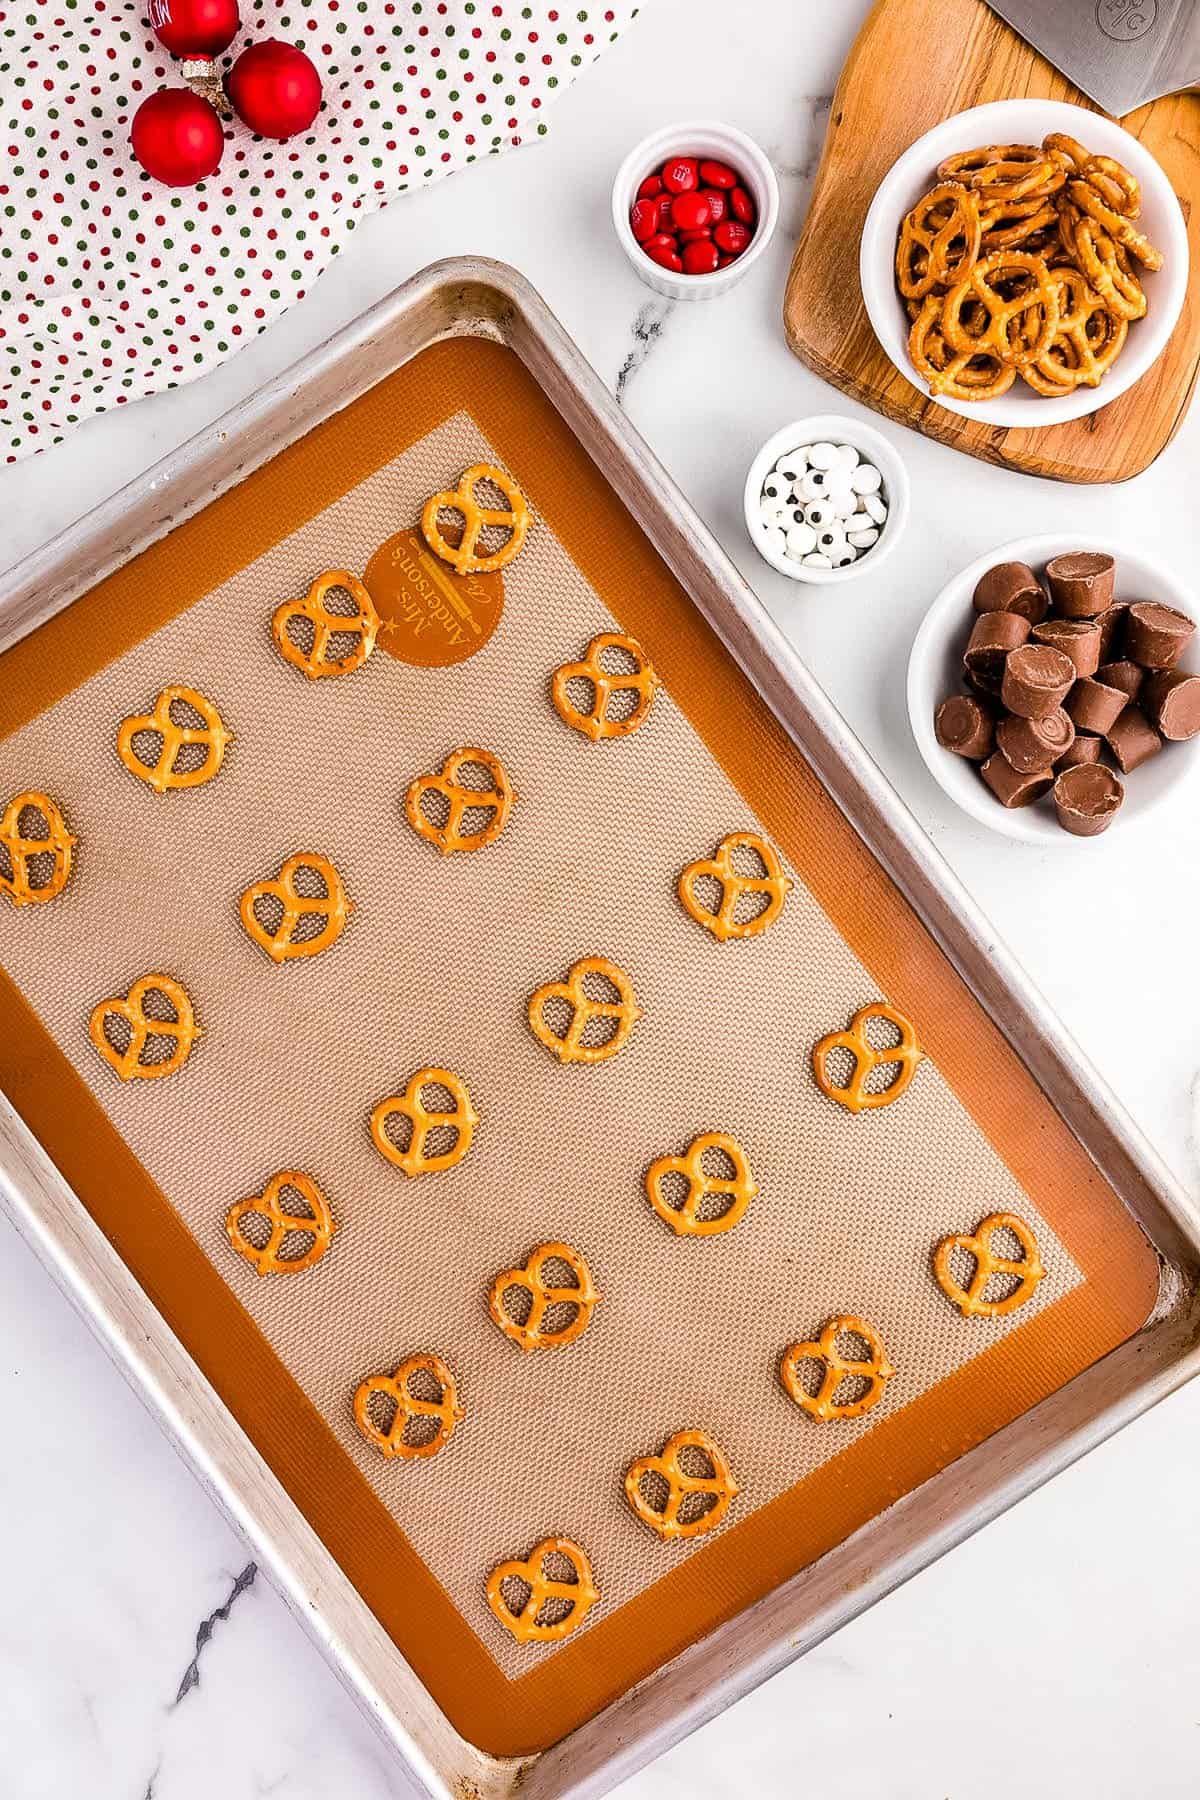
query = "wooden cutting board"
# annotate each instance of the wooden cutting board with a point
(916, 62)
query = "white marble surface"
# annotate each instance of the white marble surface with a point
(1056, 1653)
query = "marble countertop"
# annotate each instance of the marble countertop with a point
(141, 1658)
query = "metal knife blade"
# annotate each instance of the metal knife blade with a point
(1122, 53)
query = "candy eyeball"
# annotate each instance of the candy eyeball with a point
(822, 505)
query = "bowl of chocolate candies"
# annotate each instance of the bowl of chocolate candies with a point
(1054, 688)
(826, 499)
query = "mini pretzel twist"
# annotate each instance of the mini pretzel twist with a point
(447, 1409)
(462, 1118)
(905, 1055)
(938, 240)
(1117, 225)
(874, 1369)
(467, 557)
(581, 1593)
(1026, 1269)
(1105, 265)
(668, 1464)
(724, 923)
(594, 722)
(528, 1335)
(57, 843)
(496, 800)
(959, 375)
(316, 1224)
(1021, 325)
(624, 1011)
(739, 1189)
(364, 622)
(182, 1030)
(162, 775)
(334, 906)
(1088, 340)
(1003, 172)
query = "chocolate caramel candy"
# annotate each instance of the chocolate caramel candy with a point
(1012, 587)
(1077, 638)
(1112, 626)
(1133, 739)
(1009, 786)
(1128, 676)
(1034, 745)
(1094, 707)
(1081, 585)
(1037, 678)
(1086, 799)
(1156, 635)
(1171, 698)
(966, 726)
(1085, 749)
(993, 636)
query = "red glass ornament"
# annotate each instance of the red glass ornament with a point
(177, 137)
(275, 89)
(195, 29)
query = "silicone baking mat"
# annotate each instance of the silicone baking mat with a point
(436, 965)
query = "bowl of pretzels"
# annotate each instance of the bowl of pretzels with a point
(1024, 262)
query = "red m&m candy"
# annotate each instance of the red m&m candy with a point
(680, 174)
(693, 215)
(690, 211)
(717, 174)
(741, 205)
(643, 218)
(701, 257)
(662, 249)
(731, 236)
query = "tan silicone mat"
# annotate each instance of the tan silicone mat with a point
(435, 967)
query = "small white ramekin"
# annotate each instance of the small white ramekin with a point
(873, 447)
(696, 137)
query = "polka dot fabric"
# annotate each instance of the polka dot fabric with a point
(113, 286)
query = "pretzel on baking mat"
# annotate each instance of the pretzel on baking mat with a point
(333, 906)
(1025, 1271)
(468, 557)
(363, 624)
(569, 1600)
(437, 1418)
(495, 800)
(772, 884)
(624, 1011)
(873, 1370)
(181, 1031)
(595, 721)
(22, 847)
(854, 1095)
(529, 1333)
(718, 1486)
(461, 1118)
(737, 1189)
(317, 1224)
(164, 773)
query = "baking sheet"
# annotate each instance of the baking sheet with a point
(436, 965)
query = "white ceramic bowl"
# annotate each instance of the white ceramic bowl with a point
(696, 137)
(935, 671)
(870, 444)
(1027, 122)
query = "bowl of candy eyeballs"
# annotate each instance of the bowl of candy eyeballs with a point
(694, 206)
(826, 499)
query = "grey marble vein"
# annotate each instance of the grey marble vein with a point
(204, 1631)
(647, 331)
